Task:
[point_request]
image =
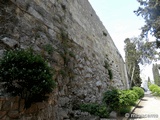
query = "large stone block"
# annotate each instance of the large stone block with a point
(9, 42)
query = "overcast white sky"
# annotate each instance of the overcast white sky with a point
(121, 22)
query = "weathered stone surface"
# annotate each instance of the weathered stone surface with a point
(63, 114)
(14, 114)
(41, 105)
(113, 114)
(2, 114)
(58, 58)
(76, 33)
(1, 53)
(14, 106)
(63, 101)
(9, 42)
(6, 106)
(32, 109)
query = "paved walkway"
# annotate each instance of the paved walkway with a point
(147, 109)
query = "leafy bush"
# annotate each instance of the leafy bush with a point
(111, 98)
(127, 98)
(124, 110)
(120, 100)
(155, 89)
(27, 75)
(152, 86)
(95, 109)
(139, 91)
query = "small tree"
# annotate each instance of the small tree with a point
(132, 58)
(26, 75)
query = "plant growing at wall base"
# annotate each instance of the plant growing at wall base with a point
(127, 98)
(27, 75)
(120, 100)
(95, 109)
(139, 91)
(111, 98)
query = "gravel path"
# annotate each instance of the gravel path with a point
(148, 109)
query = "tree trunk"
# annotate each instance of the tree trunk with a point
(132, 76)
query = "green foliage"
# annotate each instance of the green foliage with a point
(124, 110)
(48, 48)
(155, 89)
(155, 70)
(118, 100)
(95, 109)
(71, 54)
(152, 86)
(132, 58)
(145, 51)
(110, 74)
(27, 75)
(5, 1)
(121, 100)
(111, 98)
(127, 97)
(149, 10)
(139, 91)
(63, 73)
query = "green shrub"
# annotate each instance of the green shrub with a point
(157, 93)
(152, 87)
(127, 98)
(119, 99)
(155, 89)
(133, 96)
(27, 75)
(111, 99)
(110, 74)
(48, 48)
(95, 109)
(124, 110)
(139, 91)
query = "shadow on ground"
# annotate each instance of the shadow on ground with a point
(144, 99)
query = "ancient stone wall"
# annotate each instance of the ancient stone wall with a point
(81, 47)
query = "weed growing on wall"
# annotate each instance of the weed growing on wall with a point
(48, 48)
(107, 66)
(27, 75)
(67, 55)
